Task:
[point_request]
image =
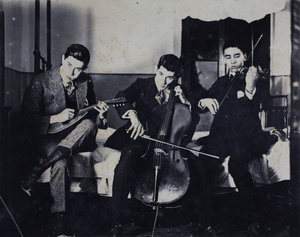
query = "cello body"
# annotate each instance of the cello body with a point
(165, 177)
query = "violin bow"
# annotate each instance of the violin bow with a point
(252, 51)
(180, 147)
(240, 69)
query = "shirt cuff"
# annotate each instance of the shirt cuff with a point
(103, 123)
(250, 94)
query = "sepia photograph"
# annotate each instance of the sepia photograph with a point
(149, 118)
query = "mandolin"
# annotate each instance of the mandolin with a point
(58, 127)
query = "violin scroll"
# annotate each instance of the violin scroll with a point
(264, 74)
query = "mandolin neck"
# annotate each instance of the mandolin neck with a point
(113, 101)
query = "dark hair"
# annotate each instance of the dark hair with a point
(79, 52)
(170, 62)
(234, 43)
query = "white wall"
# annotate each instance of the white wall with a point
(281, 42)
(281, 52)
(124, 36)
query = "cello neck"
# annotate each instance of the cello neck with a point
(169, 106)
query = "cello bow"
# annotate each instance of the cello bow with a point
(195, 152)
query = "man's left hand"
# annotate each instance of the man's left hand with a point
(180, 94)
(101, 107)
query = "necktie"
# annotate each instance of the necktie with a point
(160, 97)
(70, 87)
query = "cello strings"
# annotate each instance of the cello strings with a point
(163, 129)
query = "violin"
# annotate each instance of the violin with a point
(264, 74)
(241, 74)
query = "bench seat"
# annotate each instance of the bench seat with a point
(93, 171)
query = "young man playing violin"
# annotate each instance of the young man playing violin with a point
(147, 94)
(52, 98)
(234, 100)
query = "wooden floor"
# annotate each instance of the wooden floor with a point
(90, 215)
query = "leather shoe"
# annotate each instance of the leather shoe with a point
(117, 231)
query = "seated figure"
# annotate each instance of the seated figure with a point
(49, 117)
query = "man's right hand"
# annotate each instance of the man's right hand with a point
(211, 104)
(136, 126)
(65, 115)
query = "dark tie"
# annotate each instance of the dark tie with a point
(160, 97)
(70, 88)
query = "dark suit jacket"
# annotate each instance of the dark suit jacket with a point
(236, 126)
(45, 96)
(238, 115)
(142, 92)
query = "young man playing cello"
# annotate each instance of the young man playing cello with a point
(147, 94)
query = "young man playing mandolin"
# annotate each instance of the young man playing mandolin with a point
(234, 100)
(51, 99)
(147, 94)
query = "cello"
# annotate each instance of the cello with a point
(166, 176)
